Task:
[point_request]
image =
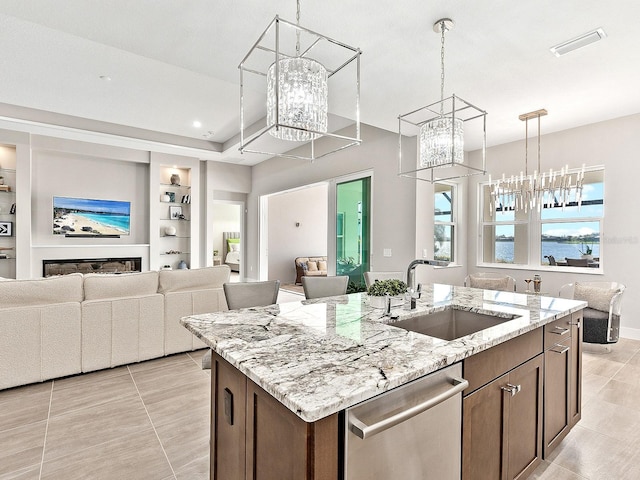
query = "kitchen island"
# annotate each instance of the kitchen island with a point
(316, 358)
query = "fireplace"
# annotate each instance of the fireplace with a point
(91, 265)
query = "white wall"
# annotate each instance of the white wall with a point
(286, 241)
(614, 144)
(393, 211)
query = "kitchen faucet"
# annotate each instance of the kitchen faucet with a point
(421, 261)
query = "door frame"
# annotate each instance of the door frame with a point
(333, 215)
(243, 252)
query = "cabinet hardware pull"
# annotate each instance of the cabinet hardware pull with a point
(558, 330)
(576, 324)
(512, 389)
(557, 348)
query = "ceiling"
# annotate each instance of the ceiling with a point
(171, 62)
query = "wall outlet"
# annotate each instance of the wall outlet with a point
(386, 252)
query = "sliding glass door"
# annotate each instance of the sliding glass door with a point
(353, 207)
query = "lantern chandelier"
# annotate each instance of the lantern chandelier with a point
(439, 129)
(297, 85)
(538, 190)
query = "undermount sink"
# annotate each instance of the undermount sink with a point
(451, 323)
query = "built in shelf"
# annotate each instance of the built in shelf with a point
(175, 186)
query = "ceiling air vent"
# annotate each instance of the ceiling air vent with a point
(578, 42)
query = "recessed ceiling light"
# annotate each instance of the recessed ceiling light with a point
(197, 123)
(578, 42)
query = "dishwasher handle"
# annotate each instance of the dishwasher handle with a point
(360, 429)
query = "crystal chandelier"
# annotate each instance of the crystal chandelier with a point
(440, 130)
(441, 140)
(537, 190)
(297, 91)
(297, 95)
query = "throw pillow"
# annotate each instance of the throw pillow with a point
(322, 266)
(489, 283)
(598, 298)
(312, 266)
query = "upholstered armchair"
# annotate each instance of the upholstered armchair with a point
(601, 319)
(491, 281)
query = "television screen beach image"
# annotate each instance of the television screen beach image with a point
(85, 216)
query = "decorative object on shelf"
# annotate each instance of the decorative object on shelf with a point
(5, 188)
(297, 89)
(526, 192)
(173, 252)
(380, 289)
(6, 229)
(172, 196)
(439, 129)
(186, 199)
(166, 267)
(175, 179)
(175, 212)
(170, 231)
(215, 253)
(1, 180)
(165, 198)
(12, 210)
(182, 265)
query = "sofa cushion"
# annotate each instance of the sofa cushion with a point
(196, 279)
(98, 286)
(45, 291)
(302, 261)
(598, 298)
(322, 265)
(312, 266)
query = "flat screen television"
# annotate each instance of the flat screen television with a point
(90, 217)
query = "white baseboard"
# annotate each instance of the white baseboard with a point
(631, 333)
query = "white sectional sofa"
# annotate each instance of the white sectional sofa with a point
(75, 323)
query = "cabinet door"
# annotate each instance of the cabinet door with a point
(482, 432)
(228, 399)
(282, 446)
(557, 393)
(575, 404)
(524, 423)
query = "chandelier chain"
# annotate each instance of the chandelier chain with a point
(298, 30)
(443, 28)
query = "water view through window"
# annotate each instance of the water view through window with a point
(572, 232)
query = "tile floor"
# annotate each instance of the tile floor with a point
(151, 421)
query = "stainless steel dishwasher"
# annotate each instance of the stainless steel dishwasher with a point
(411, 433)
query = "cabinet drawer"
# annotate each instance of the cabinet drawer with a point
(557, 331)
(483, 367)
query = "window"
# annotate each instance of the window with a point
(552, 235)
(444, 222)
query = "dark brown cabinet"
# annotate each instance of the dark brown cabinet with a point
(502, 425)
(253, 436)
(563, 378)
(575, 403)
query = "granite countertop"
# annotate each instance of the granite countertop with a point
(318, 357)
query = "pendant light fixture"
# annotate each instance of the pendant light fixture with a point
(298, 65)
(540, 189)
(440, 130)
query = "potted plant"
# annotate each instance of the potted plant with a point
(586, 251)
(379, 290)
